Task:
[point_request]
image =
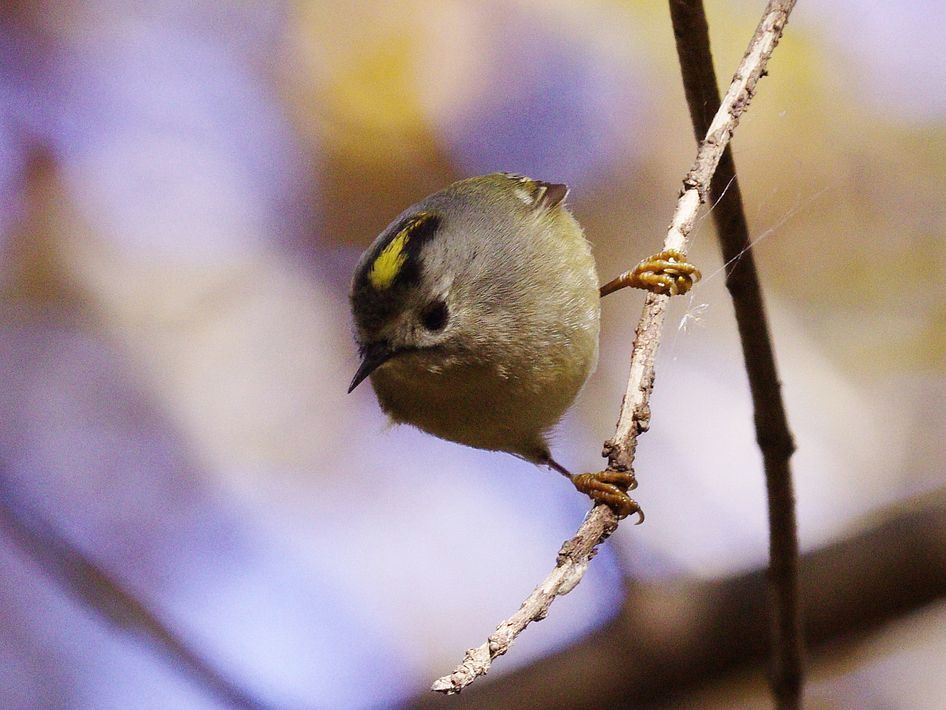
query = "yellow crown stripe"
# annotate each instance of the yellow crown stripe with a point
(387, 265)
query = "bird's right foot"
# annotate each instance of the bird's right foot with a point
(610, 488)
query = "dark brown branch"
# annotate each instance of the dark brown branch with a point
(772, 431)
(100, 591)
(673, 637)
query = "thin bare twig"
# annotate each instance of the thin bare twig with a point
(772, 432)
(673, 636)
(635, 413)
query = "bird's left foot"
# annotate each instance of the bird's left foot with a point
(610, 488)
(667, 273)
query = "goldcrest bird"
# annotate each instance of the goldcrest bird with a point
(476, 316)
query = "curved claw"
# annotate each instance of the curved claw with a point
(610, 488)
(665, 273)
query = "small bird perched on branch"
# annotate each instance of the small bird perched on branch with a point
(477, 313)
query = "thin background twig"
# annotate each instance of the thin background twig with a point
(772, 433)
(600, 522)
(101, 592)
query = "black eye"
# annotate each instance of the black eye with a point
(435, 316)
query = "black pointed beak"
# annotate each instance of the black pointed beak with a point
(372, 357)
